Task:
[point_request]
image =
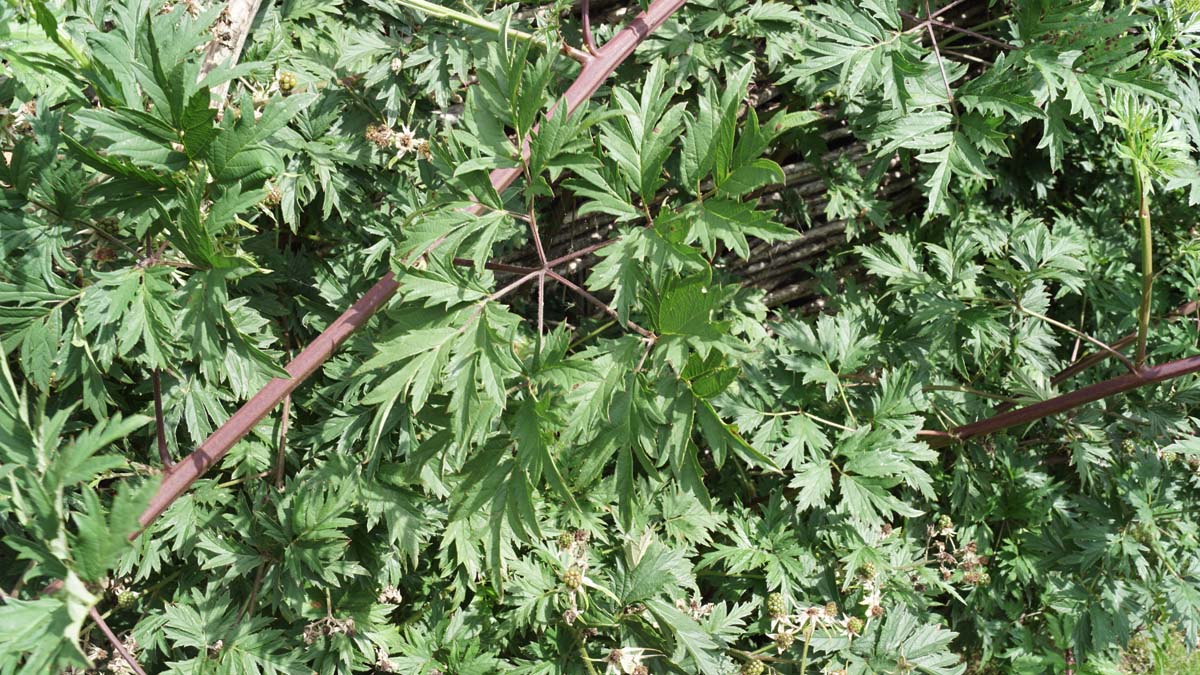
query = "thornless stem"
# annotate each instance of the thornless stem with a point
(441, 12)
(1143, 189)
(282, 449)
(541, 304)
(580, 253)
(500, 294)
(938, 54)
(807, 638)
(537, 236)
(495, 266)
(1080, 335)
(160, 431)
(597, 302)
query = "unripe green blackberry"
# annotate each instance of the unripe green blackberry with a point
(831, 609)
(1128, 445)
(776, 609)
(287, 82)
(784, 641)
(752, 667)
(564, 540)
(125, 599)
(944, 523)
(573, 577)
(855, 625)
(867, 571)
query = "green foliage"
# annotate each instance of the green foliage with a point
(627, 459)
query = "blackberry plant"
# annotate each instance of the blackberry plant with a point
(714, 337)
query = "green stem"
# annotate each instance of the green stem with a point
(436, 10)
(842, 392)
(441, 12)
(969, 390)
(583, 655)
(1147, 265)
(603, 327)
(804, 652)
(1058, 324)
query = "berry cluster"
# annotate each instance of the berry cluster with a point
(752, 667)
(287, 82)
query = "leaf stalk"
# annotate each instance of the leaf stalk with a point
(1147, 236)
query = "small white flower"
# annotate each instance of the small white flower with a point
(873, 600)
(405, 141)
(814, 616)
(625, 661)
(783, 623)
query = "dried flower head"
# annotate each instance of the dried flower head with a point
(382, 663)
(423, 150)
(695, 608)
(783, 639)
(273, 197)
(326, 627)
(95, 653)
(390, 596)
(380, 136)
